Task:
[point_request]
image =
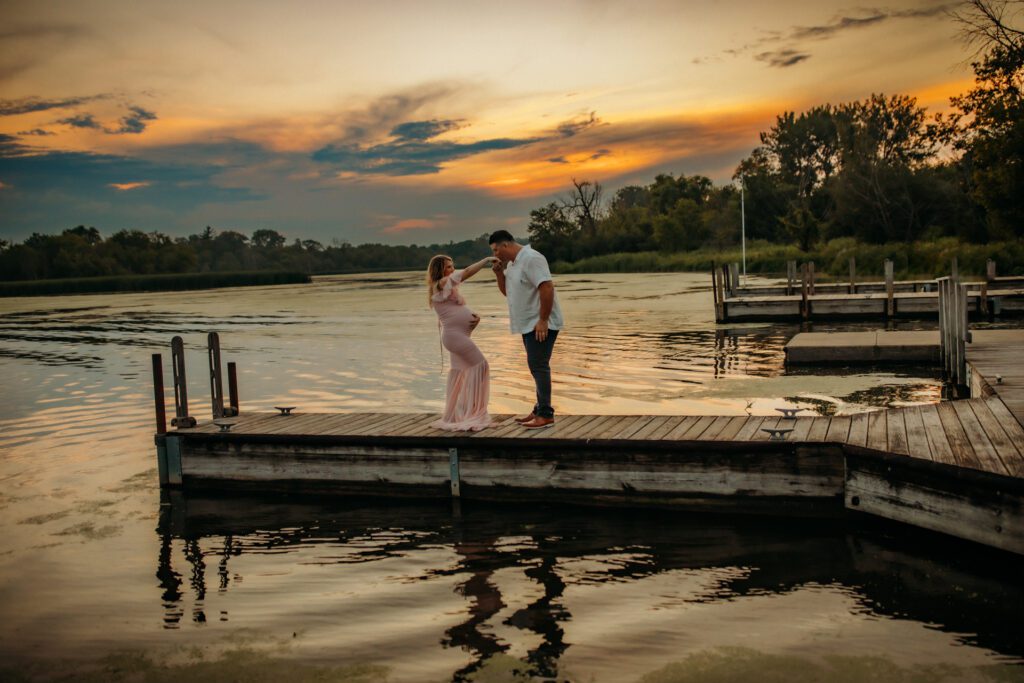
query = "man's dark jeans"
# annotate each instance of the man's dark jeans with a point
(538, 357)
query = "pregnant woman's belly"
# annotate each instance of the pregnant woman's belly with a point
(456, 318)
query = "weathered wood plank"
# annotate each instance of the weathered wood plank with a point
(732, 429)
(670, 424)
(801, 428)
(987, 457)
(579, 428)
(715, 428)
(1010, 425)
(896, 432)
(698, 427)
(562, 424)
(650, 427)
(958, 442)
(1011, 455)
(838, 429)
(938, 442)
(819, 429)
(858, 435)
(877, 437)
(974, 511)
(610, 425)
(631, 427)
(751, 427)
(917, 440)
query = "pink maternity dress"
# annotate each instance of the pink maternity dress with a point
(469, 380)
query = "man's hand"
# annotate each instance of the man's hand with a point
(540, 330)
(497, 266)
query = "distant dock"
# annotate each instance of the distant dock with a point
(956, 467)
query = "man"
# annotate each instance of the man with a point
(525, 280)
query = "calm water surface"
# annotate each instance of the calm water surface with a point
(102, 580)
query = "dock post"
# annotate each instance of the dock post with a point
(853, 275)
(735, 278)
(811, 276)
(158, 394)
(453, 466)
(714, 291)
(790, 277)
(990, 270)
(963, 337)
(890, 309)
(943, 322)
(181, 416)
(216, 381)
(983, 299)
(233, 388)
(805, 306)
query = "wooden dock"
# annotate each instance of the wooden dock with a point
(956, 467)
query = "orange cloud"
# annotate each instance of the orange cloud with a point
(129, 186)
(410, 224)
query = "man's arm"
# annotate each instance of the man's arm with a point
(546, 290)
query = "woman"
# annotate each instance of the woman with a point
(469, 380)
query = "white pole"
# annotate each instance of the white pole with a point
(743, 229)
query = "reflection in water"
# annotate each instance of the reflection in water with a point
(515, 569)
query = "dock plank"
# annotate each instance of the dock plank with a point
(858, 435)
(958, 441)
(769, 423)
(896, 432)
(987, 457)
(732, 429)
(610, 425)
(698, 428)
(579, 427)
(938, 442)
(838, 429)
(819, 428)
(670, 424)
(877, 431)
(715, 428)
(751, 427)
(1009, 454)
(917, 440)
(801, 428)
(650, 427)
(631, 427)
(1011, 427)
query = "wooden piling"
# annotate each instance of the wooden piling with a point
(158, 394)
(853, 275)
(181, 416)
(735, 278)
(990, 270)
(216, 381)
(805, 308)
(233, 388)
(811, 276)
(714, 292)
(790, 277)
(889, 289)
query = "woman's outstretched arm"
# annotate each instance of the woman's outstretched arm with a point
(475, 268)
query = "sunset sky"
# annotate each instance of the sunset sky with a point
(403, 122)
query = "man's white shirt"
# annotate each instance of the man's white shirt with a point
(522, 277)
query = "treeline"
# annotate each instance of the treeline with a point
(879, 170)
(83, 252)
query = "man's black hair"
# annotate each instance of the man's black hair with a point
(499, 236)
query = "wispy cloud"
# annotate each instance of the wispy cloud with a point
(130, 186)
(791, 51)
(27, 105)
(39, 132)
(423, 130)
(782, 58)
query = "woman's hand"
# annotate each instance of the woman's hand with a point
(473, 322)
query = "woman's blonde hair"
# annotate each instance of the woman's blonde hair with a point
(435, 271)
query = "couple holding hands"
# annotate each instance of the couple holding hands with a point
(524, 278)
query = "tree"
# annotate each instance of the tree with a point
(988, 126)
(267, 239)
(553, 232)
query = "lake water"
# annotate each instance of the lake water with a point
(103, 579)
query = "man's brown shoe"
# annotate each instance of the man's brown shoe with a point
(526, 418)
(539, 423)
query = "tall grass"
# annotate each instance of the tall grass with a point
(148, 283)
(914, 260)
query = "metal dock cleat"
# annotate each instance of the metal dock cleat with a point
(776, 434)
(789, 413)
(285, 410)
(225, 425)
